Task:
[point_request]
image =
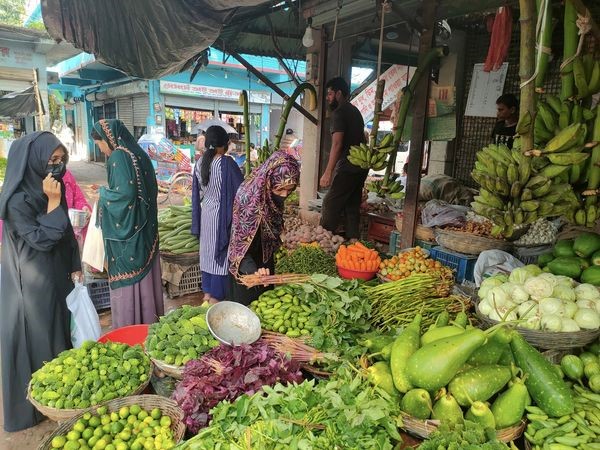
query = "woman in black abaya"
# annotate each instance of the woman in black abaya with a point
(40, 258)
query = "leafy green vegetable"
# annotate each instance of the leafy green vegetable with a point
(344, 412)
(462, 436)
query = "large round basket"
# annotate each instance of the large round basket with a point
(147, 402)
(169, 369)
(182, 259)
(423, 428)
(62, 415)
(547, 340)
(469, 244)
(422, 233)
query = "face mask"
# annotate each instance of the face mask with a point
(279, 200)
(56, 170)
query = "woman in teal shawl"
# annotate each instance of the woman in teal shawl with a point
(128, 218)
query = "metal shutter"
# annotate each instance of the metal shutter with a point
(141, 110)
(125, 111)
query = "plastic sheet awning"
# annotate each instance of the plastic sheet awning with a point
(18, 104)
(143, 38)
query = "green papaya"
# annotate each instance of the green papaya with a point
(567, 266)
(544, 259)
(586, 244)
(591, 275)
(563, 247)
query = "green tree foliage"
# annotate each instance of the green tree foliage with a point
(12, 12)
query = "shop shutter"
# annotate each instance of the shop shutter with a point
(125, 112)
(141, 110)
(180, 101)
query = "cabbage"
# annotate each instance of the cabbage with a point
(551, 322)
(522, 274)
(569, 325)
(485, 307)
(532, 323)
(551, 306)
(570, 308)
(519, 295)
(488, 284)
(533, 270)
(587, 291)
(564, 281)
(566, 293)
(540, 286)
(498, 297)
(589, 304)
(587, 319)
(527, 309)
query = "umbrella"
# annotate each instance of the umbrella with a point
(214, 122)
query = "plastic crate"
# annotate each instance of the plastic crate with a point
(99, 291)
(189, 283)
(395, 243)
(462, 265)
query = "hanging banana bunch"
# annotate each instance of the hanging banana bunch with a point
(365, 158)
(392, 188)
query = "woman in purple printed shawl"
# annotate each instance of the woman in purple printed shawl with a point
(258, 221)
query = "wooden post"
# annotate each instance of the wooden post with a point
(38, 100)
(417, 139)
(527, 20)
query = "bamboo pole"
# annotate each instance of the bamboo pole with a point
(527, 20)
(311, 92)
(38, 100)
(378, 104)
(243, 100)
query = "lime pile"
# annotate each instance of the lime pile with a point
(130, 428)
(94, 373)
(180, 336)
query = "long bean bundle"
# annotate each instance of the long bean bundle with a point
(395, 304)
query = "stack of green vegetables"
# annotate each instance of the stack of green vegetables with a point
(174, 230)
(454, 372)
(577, 258)
(463, 436)
(306, 259)
(180, 336)
(343, 412)
(581, 428)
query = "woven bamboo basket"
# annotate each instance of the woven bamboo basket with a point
(422, 233)
(468, 243)
(183, 259)
(148, 402)
(62, 415)
(170, 370)
(423, 428)
(547, 340)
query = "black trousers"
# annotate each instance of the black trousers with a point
(344, 198)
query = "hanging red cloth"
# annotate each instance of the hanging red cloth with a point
(499, 40)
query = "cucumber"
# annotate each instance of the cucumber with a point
(417, 403)
(509, 407)
(546, 388)
(479, 383)
(403, 347)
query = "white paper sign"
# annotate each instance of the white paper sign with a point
(485, 89)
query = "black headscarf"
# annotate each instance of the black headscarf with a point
(26, 169)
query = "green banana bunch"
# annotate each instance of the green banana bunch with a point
(362, 156)
(264, 152)
(393, 188)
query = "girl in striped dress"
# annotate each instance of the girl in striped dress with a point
(215, 183)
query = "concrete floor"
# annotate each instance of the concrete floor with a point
(87, 174)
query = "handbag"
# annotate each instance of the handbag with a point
(93, 247)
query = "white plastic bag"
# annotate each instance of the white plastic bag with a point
(493, 262)
(93, 248)
(85, 323)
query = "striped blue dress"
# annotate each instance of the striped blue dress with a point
(211, 195)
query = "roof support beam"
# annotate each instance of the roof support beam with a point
(269, 83)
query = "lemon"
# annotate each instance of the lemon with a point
(73, 435)
(121, 446)
(137, 445)
(87, 416)
(98, 432)
(94, 421)
(110, 447)
(149, 445)
(124, 412)
(105, 419)
(156, 413)
(102, 410)
(116, 428)
(148, 432)
(58, 441)
(92, 441)
(114, 417)
(125, 435)
(135, 409)
(87, 433)
(101, 444)
(165, 421)
(131, 419)
(79, 426)
(142, 415)
(72, 445)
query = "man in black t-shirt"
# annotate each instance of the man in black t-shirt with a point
(346, 180)
(507, 107)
